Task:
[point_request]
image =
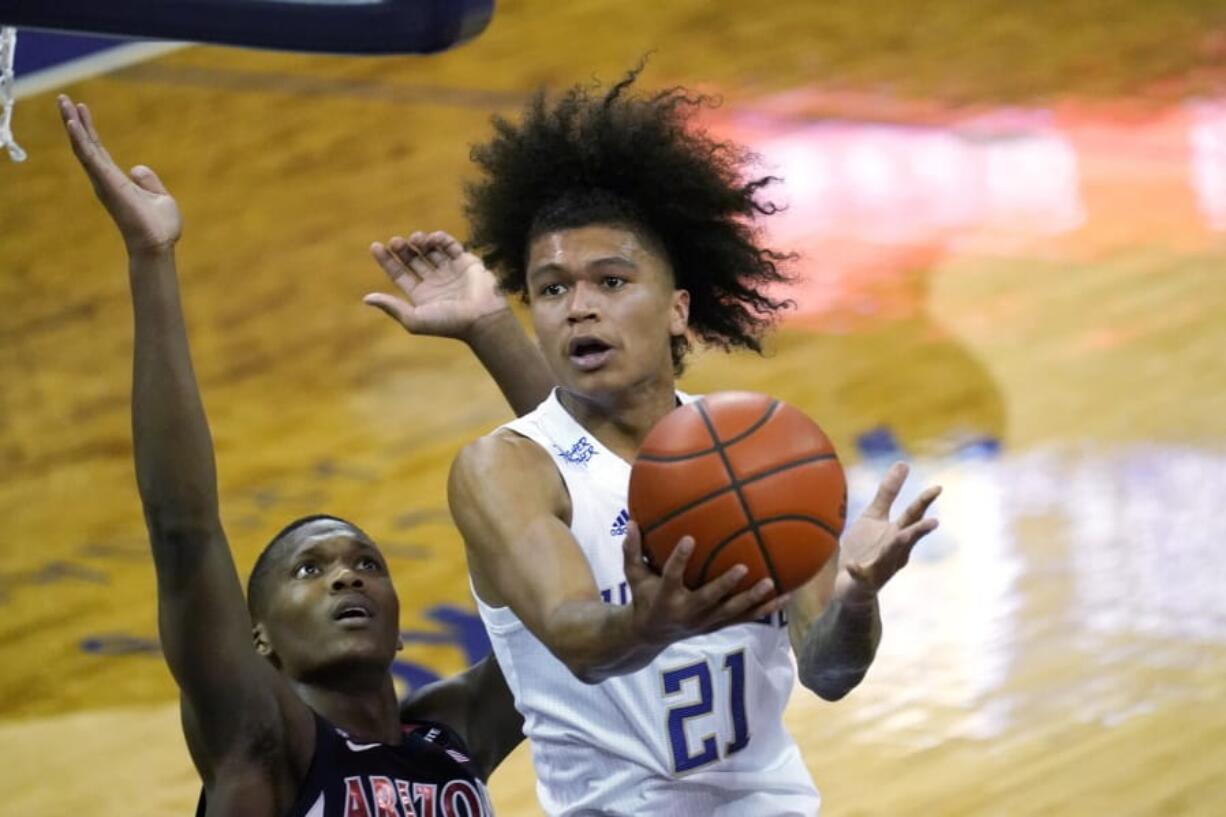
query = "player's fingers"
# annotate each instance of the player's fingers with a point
(401, 249)
(148, 180)
(66, 107)
(398, 310)
(417, 243)
(719, 588)
(768, 608)
(742, 603)
(416, 258)
(443, 242)
(862, 574)
(103, 175)
(391, 264)
(910, 535)
(78, 137)
(674, 568)
(406, 249)
(448, 244)
(87, 119)
(632, 548)
(81, 147)
(916, 510)
(887, 491)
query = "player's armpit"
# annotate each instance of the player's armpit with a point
(258, 779)
(236, 706)
(477, 704)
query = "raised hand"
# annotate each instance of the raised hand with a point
(665, 610)
(145, 213)
(874, 548)
(448, 291)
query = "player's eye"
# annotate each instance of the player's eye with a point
(369, 563)
(614, 282)
(551, 290)
(306, 570)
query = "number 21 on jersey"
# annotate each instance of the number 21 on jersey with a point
(685, 757)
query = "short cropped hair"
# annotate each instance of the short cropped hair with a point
(257, 582)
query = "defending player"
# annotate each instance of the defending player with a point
(626, 230)
(306, 723)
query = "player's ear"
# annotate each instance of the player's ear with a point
(259, 639)
(680, 312)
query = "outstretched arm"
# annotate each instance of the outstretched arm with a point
(449, 293)
(834, 621)
(235, 699)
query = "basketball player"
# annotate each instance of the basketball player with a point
(305, 723)
(626, 231)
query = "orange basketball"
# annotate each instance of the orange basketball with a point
(752, 479)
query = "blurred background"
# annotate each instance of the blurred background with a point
(1012, 223)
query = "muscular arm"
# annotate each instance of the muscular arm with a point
(234, 701)
(509, 502)
(511, 506)
(202, 617)
(512, 360)
(478, 705)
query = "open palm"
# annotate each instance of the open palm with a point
(145, 212)
(874, 547)
(448, 291)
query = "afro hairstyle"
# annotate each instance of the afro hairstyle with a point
(637, 162)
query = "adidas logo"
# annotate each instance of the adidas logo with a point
(619, 524)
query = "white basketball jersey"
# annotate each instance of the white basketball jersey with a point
(697, 733)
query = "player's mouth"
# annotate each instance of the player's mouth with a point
(588, 353)
(353, 611)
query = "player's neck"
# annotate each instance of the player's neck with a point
(622, 420)
(366, 712)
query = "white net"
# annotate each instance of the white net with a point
(8, 48)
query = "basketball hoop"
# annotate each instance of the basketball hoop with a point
(333, 26)
(8, 46)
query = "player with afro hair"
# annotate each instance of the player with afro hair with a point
(637, 161)
(627, 229)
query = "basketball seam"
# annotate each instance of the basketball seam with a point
(736, 487)
(731, 441)
(717, 493)
(786, 517)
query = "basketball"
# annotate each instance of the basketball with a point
(753, 480)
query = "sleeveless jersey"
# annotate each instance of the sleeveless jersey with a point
(428, 775)
(697, 733)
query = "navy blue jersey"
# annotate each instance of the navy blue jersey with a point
(428, 775)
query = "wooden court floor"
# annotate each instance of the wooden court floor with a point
(1039, 324)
